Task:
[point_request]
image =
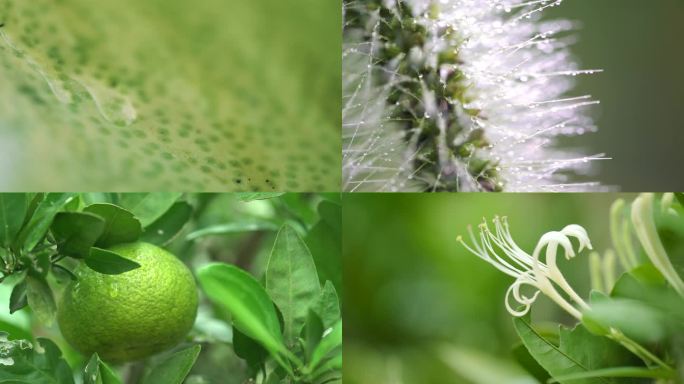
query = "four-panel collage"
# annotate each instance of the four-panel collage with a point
(483, 191)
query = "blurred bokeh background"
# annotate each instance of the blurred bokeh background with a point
(638, 44)
(420, 309)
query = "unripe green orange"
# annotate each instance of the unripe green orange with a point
(132, 315)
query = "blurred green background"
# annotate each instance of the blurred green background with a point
(638, 44)
(420, 309)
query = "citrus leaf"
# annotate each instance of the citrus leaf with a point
(108, 262)
(148, 207)
(174, 368)
(292, 281)
(165, 228)
(76, 232)
(37, 226)
(13, 208)
(633, 372)
(18, 298)
(137, 91)
(120, 225)
(98, 372)
(241, 294)
(313, 332)
(236, 227)
(579, 351)
(325, 242)
(24, 363)
(249, 350)
(329, 347)
(327, 305)
(40, 299)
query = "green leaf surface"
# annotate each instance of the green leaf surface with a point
(236, 227)
(24, 363)
(170, 95)
(40, 299)
(120, 225)
(174, 368)
(18, 298)
(37, 226)
(329, 347)
(635, 319)
(313, 332)
(13, 207)
(241, 294)
(579, 352)
(249, 350)
(108, 262)
(76, 232)
(148, 207)
(165, 228)
(325, 242)
(292, 281)
(98, 372)
(327, 305)
(680, 197)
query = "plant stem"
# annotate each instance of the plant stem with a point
(634, 347)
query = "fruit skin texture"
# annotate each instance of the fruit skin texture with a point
(132, 315)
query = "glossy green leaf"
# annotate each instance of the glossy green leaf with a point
(40, 299)
(578, 352)
(147, 207)
(329, 347)
(13, 207)
(108, 262)
(325, 242)
(292, 280)
(246, 300)
(98, 372)
(327, 305)
(18, 298)
(37, 226)
(165, 228)
(635, 319)
(24, 363)
(124, 94)
(236, 227)
(249, 350)
(76, 232)
(174, 368)
(120, 225)
(313, 332)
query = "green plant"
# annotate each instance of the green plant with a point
(77, 245)
(632, 328)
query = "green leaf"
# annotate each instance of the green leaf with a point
(76, 232)
(680, 197)
(40, 299)
(98, 372)
(241, 294)
(120, 225)
(635, 319)
(148, 207)
(236, 227)
(18, 298)
(108, 262)
(327, 305)
(525, 359)
(633, 372)
(578, 352)
(292, 281)
(325, 242)
(13, 207)
(258, 195)
(329, 347)
(173, 369)
(37, 226)
(23, 363)
(313, 332)
(165, 228)
(249, 350)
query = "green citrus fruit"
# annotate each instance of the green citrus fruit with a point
(132, 315)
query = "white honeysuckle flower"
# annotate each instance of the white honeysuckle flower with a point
(473, 100)
(530, 270)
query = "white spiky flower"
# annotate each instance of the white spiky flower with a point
(463, 95)
(500, 250)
